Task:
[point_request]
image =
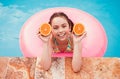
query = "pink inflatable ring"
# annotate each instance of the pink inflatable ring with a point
(94, 45)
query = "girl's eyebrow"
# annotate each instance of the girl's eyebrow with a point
(55, 25)
(64, 24)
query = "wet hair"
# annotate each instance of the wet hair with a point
(61, 14)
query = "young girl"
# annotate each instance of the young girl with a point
(61, 39)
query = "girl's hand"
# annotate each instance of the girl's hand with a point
(77, 39)
(44, 38)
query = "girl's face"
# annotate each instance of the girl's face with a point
(60, 28)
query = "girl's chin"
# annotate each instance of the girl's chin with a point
(62, 38)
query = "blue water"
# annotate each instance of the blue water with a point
(14, 13)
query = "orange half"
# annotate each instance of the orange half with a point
(45, 29)
(78, 29)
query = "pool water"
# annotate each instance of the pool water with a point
(14, 14)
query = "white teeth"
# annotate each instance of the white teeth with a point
(61, 34)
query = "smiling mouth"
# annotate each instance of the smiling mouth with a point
(62, 35)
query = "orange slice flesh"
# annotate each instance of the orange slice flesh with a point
(45, 29)
(78, 29)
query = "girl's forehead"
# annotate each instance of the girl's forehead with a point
(59, 20)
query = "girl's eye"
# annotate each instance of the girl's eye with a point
(55, 27)
(64, 26)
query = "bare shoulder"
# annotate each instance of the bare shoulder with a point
(71, 40)
(52, 42)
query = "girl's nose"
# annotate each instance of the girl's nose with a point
(60, 29)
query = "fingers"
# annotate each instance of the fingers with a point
(50, 35)
(84, 34)
(74, 36)
(44, 38)
(41, 37)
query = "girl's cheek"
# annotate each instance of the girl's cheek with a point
(68, 31)
(54, 33)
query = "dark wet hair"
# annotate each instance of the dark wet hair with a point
(61, 14)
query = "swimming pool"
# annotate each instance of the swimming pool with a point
(14, 14)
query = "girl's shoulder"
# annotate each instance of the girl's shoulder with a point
(53, 41)
(71, 39)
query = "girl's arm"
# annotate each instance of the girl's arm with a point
(76, 61)
(77, 52)
(46, 54)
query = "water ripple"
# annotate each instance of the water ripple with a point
(7, 36)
